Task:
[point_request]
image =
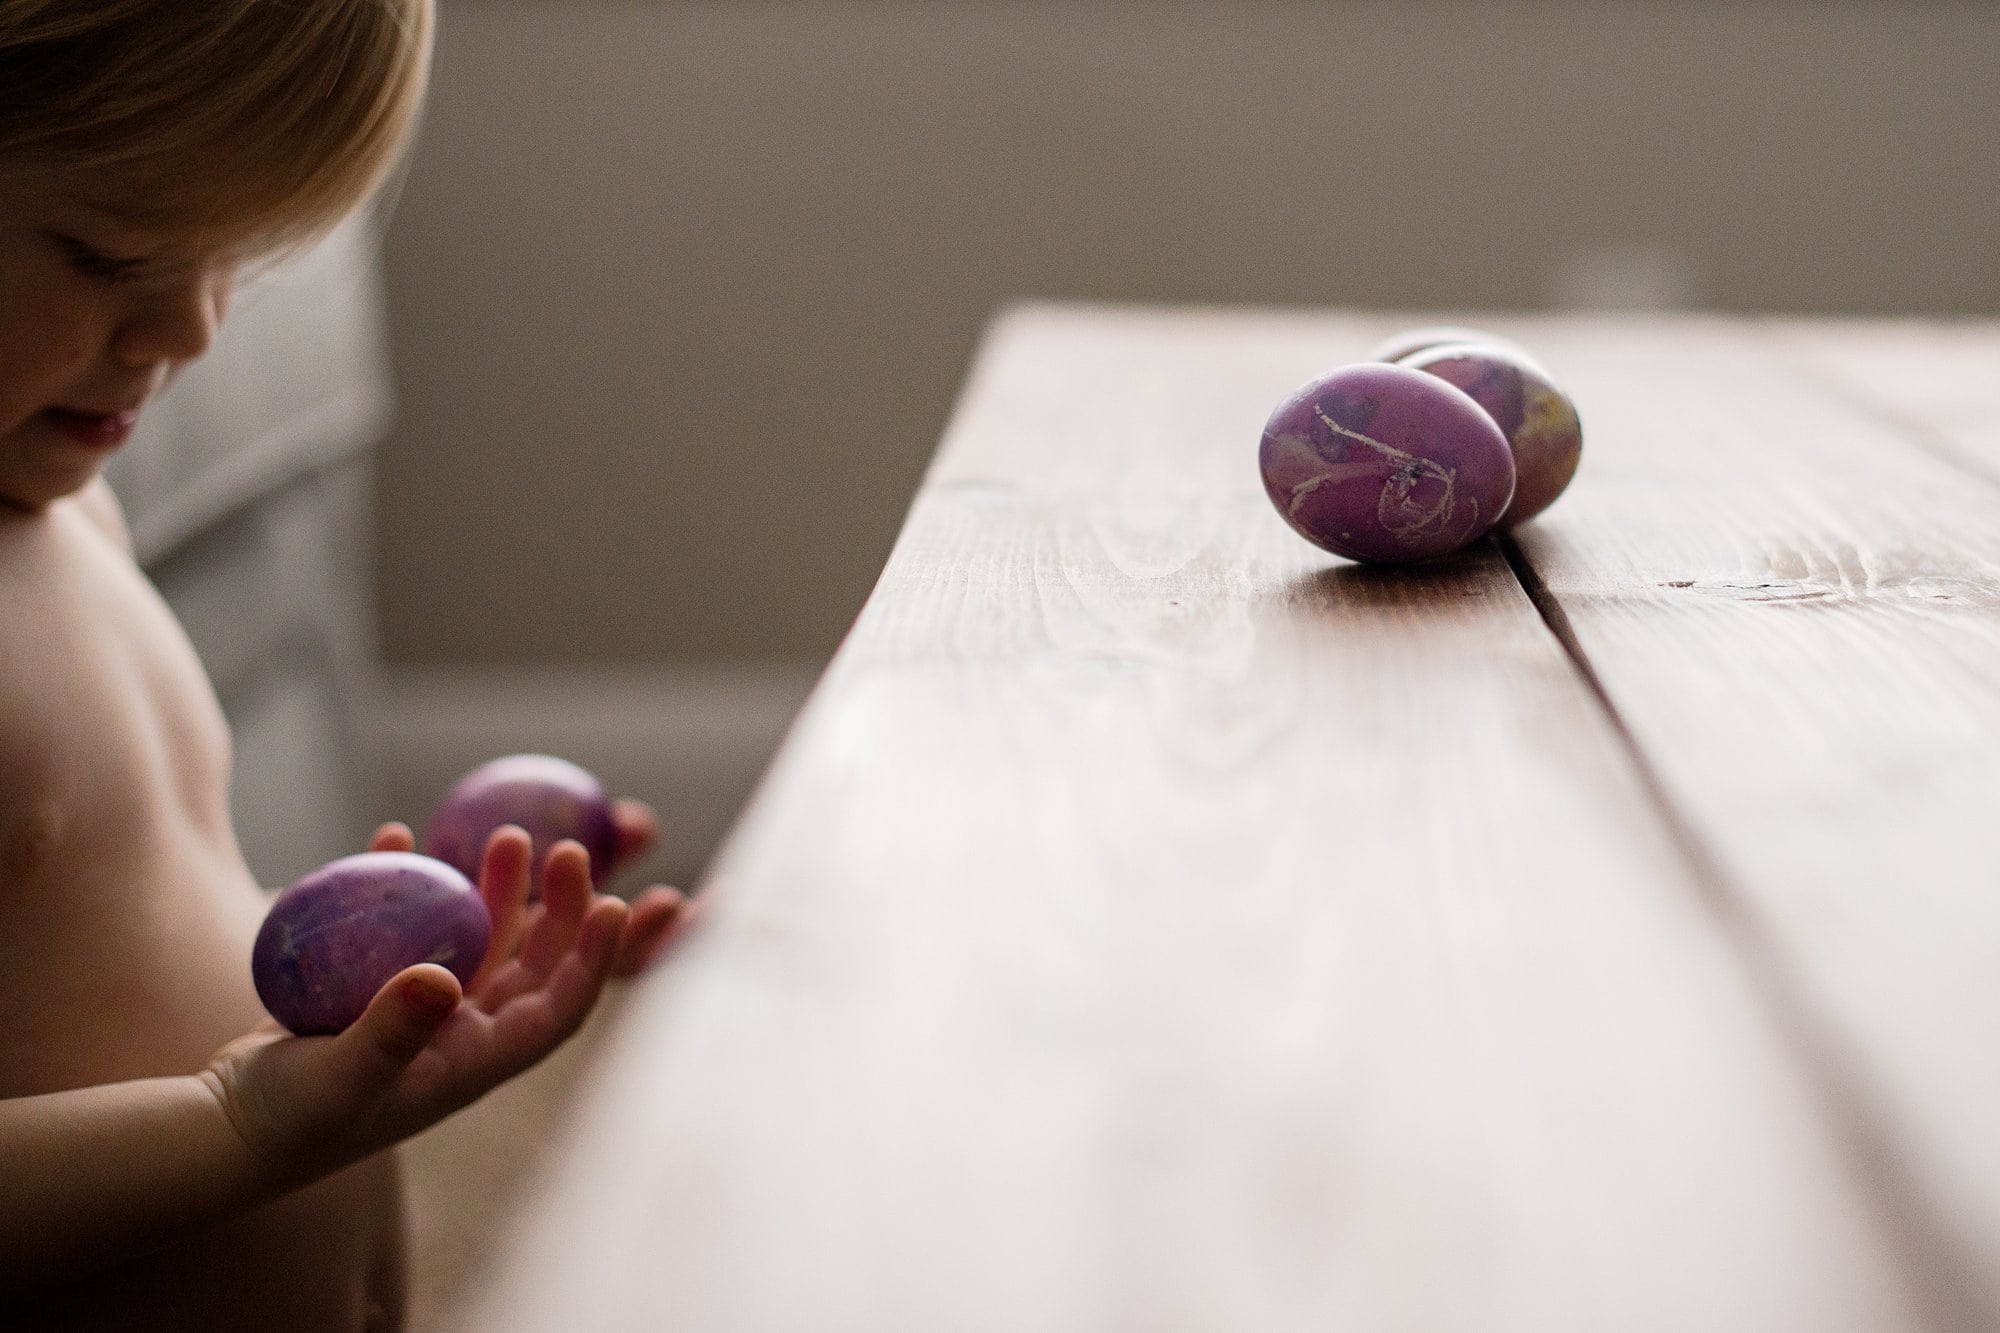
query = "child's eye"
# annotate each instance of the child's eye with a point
(94, 263)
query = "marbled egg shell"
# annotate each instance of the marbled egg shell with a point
(1538, 419)
(332, 940)
(1384, 464)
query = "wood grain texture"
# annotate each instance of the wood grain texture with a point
(1154, 923)
(1782, 559)
(1934, 385)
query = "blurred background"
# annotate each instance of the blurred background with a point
(596, 442)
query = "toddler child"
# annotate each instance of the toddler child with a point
(169, 1157)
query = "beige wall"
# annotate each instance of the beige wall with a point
(682, 291)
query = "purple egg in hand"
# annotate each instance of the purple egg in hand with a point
(551, 799)
(335, 938)
(1384, 464)
(1538, 419)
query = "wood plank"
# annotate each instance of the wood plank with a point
(1794, 605)
(1934, 384)
(1154, 923)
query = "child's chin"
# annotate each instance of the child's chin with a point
(34, 494)
(11, 503)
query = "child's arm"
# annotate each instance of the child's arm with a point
(96, 1175)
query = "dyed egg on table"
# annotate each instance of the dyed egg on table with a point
(1402, 346)
(1386, 465)
(1538, 419)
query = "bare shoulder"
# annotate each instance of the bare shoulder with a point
(35, 545)
(100, 505)
(57, 566)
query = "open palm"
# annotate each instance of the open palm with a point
(424, 1047)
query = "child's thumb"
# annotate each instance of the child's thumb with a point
(401, 1020)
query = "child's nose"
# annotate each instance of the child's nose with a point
(173, 324)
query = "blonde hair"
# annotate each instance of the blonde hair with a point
(264, 120)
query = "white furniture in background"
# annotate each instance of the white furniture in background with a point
(247, 491)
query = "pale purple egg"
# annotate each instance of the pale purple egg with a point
(332, 940)
(548, 798)
(1402, 346)
(1385, 464)
(1538, 419)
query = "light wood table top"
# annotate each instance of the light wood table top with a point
(1155, 923)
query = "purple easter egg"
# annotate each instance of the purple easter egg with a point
(549, 798)
(1538, 419)
(1402, 346)
(332, 940)
(1385, 464)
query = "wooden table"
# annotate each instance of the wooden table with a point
(1155, 923)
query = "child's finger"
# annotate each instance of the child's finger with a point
(585, 966)
(398, 1023)
(501, 978)
(394, 836)
(566, 898)
(638, 827)
(597, 940)
(554, 922)
(503, 882)
(654, 913)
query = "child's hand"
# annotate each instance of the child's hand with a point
(661, 914)
(423, 1048)
(657, 916)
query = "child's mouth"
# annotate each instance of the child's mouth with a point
(99, 430)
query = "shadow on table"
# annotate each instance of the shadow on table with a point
(1347, 590)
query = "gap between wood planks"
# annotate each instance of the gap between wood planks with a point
(1941, 1269)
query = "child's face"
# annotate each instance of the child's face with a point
(97, 314)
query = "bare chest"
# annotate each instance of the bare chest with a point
(125, 910)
